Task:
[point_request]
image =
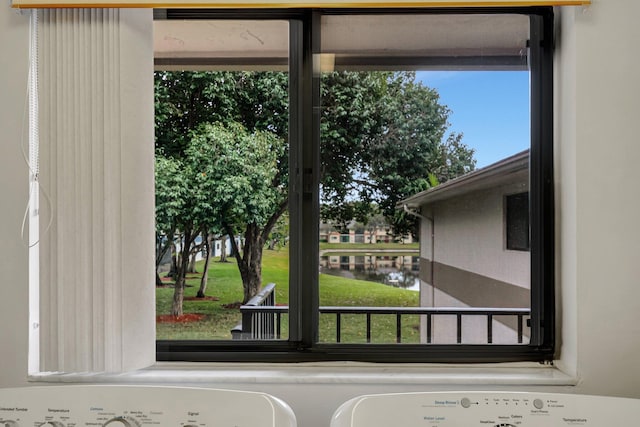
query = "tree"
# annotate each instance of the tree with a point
(171, 192)
(396, 150)
(381, 140)
(242, 180)
(186, 104)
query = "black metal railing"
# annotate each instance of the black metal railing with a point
(260, 318)
(429, 313)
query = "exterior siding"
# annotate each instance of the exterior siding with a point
(464, 263)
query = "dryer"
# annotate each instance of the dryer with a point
(486, 409)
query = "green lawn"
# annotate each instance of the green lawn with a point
(225, 284)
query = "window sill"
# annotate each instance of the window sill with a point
(326, 373)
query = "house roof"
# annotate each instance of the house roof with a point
(504, 171)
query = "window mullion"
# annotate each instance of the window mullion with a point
(305, 159)
(541, 182)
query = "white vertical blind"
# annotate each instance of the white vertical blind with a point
(96, 136)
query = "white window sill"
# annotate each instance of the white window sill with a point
(326, 373)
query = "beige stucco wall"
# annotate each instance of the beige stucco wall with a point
(471, 265)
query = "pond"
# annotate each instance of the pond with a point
(397, 271)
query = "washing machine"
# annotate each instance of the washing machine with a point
(486, 409)
(137, 406)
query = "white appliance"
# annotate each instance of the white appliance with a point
(486, 409)
(132, 406)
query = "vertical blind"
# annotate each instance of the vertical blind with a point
(96, 145)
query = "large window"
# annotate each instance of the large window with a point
(353, 167)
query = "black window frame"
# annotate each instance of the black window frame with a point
(302, 345)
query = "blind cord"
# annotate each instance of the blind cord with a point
(32, 157)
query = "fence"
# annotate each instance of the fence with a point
(262, 319)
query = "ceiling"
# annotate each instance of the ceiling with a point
(453, 41)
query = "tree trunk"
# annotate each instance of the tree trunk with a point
(205, 273)
(158, 279)
(180, 276)
(174, 261)
(250, 261)
(251, 270)
(192, 262)
(223, 249)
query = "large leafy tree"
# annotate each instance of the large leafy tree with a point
(183, 211)
(213, 125)
(244, 185)
(383, 139)
(382, 136)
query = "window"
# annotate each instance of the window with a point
(363, 125)
(517, 221)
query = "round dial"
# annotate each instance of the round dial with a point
(122, 421)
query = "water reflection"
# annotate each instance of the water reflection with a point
(397, 271)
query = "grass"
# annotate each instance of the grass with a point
(225, 284)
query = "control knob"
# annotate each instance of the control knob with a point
(8, 423)
(122, 421)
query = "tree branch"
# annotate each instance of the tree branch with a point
(282, 208)
(234, 244)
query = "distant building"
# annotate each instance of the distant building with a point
(383, 234)
(474, 247)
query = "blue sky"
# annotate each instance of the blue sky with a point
(491, 109)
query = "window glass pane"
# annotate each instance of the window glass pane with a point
(424, 131)
(221, 89)
(517, 221)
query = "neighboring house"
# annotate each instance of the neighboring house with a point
(474, 242)
(217, 246)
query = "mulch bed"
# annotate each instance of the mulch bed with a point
(185, 318)
(233, 305)
(205, 298)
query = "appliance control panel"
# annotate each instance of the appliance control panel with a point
(486, 409)
(138, 406)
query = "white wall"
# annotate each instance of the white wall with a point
(598, 211)
(598, 152)
(14, 48)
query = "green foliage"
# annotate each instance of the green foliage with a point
(382, 140)
(184, 100)
(171, 189)
(237, 173)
